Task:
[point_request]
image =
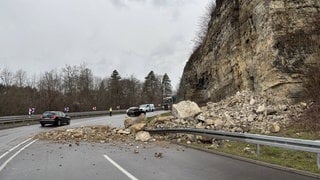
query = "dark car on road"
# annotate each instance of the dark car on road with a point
(55, 118)
(135, 111)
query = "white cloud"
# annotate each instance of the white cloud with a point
(132, 36)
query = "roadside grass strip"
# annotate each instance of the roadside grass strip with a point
(120, 168)
(15, 154)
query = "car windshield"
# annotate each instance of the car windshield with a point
(48, 113)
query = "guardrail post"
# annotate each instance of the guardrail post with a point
(258, 149)
(318, 160)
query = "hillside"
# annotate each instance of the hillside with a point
(256, 45)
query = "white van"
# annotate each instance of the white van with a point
(147, 107)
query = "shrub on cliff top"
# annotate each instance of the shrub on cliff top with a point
(204, 25)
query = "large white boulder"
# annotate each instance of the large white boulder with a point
(143, 136)
(185, 109)
(128, 122)
(138, 127)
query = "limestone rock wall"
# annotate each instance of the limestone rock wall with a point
(255, 45)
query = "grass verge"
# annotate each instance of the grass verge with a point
(299, 160)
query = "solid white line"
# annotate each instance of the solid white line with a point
(120, 168)
(14, 148)
(5, 163)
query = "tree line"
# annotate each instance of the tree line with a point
(76, 87)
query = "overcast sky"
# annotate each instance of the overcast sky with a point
(131, 36)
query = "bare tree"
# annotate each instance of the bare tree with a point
(50, 90)
(132, 90)
(70, 78)
(75, 87)
(6, 77)
(85, 83)
(32, 81)
(100, 94)
(20, 78)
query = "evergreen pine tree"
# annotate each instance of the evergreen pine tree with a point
(166, 86)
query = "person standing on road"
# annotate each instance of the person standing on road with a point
(29, 112)
(110, 111)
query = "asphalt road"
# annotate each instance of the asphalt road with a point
(24, 158)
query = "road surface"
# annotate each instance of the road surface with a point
(24, 158)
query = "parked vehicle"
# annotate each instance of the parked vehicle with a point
(167, 103)
(147, 107)
(55, 118)
(135, 111)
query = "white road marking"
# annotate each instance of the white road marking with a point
(24, 147)
(120, 168)
(14, 148)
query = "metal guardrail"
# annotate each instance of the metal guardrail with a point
(36, 117)
(18, 119)
(4, 120)
(94, 113)
(287, 143)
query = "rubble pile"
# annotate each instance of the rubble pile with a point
(243, 112)
(133, 131)
(99, 134)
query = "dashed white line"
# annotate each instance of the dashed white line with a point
(120, 168)
(15, 154)
(14, 148)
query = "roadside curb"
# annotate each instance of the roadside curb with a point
(260, 163)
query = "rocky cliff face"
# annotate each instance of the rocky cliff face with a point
(255, 45)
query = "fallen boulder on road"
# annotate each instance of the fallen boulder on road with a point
(185, 109)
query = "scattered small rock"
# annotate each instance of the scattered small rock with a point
(275, 128)
(158, 155)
